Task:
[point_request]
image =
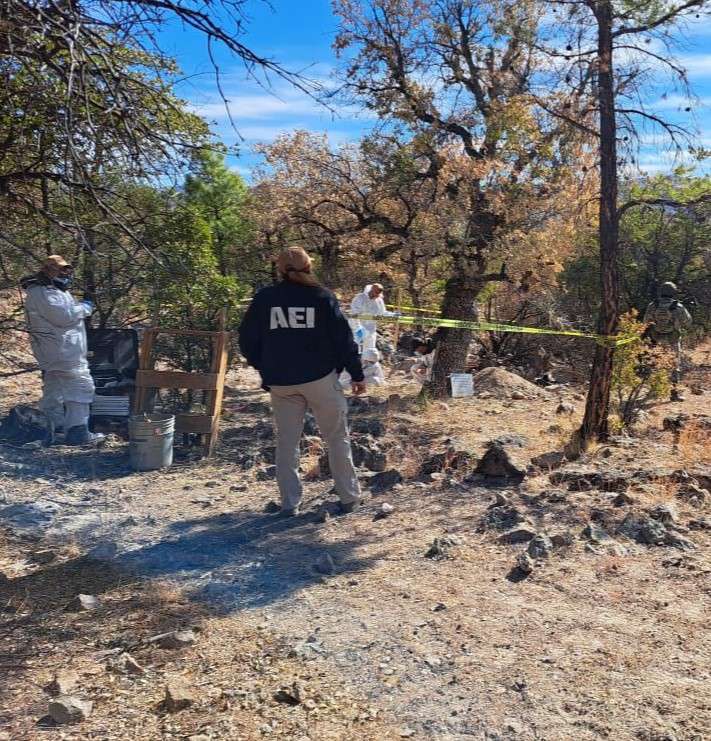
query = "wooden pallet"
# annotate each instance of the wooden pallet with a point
(207, 425)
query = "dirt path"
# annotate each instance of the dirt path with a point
(602, 640)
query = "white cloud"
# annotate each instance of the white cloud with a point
(258, 106)
(656, 160)
(679, 102)
(697, 65)
(268, 132)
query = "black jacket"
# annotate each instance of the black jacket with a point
(295, 334)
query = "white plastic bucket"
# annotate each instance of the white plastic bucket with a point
(462, 385)
(150, 441)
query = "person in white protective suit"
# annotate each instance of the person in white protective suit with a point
(55, 323)
(372, 370)
(370, 302)
(421, 370)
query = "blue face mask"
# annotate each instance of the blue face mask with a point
(64, 282)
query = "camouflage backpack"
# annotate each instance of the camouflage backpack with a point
(663, 315)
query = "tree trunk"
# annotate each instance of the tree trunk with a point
(330, 258)
(453, 344)
(595, 421)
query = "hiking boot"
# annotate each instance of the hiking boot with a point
(290, 511)
(80, 435)
(676, 395)
(272, 508)
(349, 507)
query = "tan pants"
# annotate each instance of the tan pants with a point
(326, 400)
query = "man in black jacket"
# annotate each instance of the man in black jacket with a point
(295, 335)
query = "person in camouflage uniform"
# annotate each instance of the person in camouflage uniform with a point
(666, 319)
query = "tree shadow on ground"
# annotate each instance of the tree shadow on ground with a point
(65, 464)
(246, 560)
(37, 615)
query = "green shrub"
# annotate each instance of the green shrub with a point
(640, 373)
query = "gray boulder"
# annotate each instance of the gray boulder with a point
(442, 547)
(540, 547)
(68, 710)
(501, 462)
(384, 481)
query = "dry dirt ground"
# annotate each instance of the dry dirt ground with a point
(604, 639)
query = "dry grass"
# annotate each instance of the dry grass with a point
(693, 444)
(163, 593)
(590, 646)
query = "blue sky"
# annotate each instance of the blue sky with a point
(299, 33)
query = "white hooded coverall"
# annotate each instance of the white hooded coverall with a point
(363, 304)
(373, 373)
(55, 322)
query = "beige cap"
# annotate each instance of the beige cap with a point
(56, 261)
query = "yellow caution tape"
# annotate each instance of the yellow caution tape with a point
(607, 340)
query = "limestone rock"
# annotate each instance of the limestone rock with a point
(290, 695)
(503, 517)
(83, 602)
(178, 696)
(649, 531)
(385, 510)
(665, 513)
(67, 710)
(442, 546)
(693, 493)
(126, 664)
(514, 441)
(540, 547)
(644, 529)
(525, 563)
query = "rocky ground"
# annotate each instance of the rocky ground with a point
(488, 590)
